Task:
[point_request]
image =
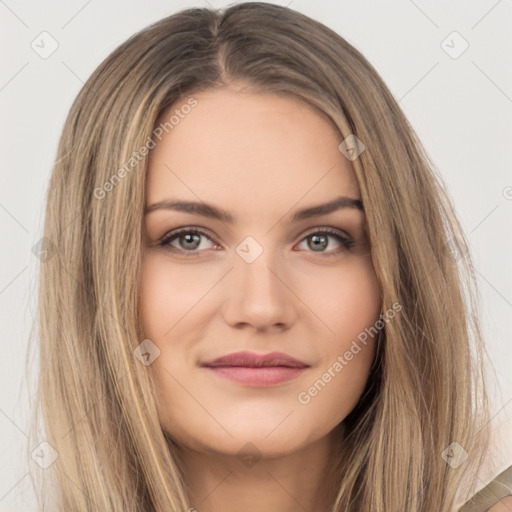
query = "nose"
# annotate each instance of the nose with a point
(260, 295)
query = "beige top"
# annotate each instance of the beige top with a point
(500, 487)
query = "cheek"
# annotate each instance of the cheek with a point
(169, 293)
(333, 392)
(349, 306)
(346, 299)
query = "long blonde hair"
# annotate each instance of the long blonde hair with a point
(426, 389)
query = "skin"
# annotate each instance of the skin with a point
(261, 157)
(504, 505)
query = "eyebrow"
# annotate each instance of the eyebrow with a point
(214, 212)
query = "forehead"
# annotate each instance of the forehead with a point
(241, 148)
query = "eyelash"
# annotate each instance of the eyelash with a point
(346, 243)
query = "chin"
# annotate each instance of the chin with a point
(249, 449)
(248, 444)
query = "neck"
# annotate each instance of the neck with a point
(299, 481)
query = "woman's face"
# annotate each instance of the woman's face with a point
(269, 278)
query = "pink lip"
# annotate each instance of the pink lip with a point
(257, 369)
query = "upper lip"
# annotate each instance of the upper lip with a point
(254, 360)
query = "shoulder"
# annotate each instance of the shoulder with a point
(494, 497)
(504, 505)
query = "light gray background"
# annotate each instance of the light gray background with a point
(460, 107)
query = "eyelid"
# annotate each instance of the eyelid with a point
(186, 229)
(326, 229)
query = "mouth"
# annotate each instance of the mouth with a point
(254, 369)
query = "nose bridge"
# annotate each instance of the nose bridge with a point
(257, 292)
(256, 269)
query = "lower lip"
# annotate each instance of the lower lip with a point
(265, 376)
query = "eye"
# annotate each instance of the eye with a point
(188, 240)
(318, 240)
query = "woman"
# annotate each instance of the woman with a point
(261, 298)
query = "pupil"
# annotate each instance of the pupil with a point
(189, 238)
(319, 238)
